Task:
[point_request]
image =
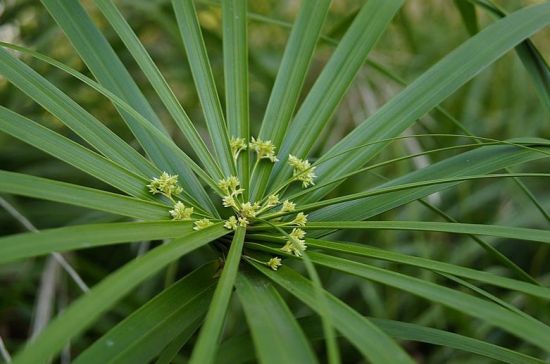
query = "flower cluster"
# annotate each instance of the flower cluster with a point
(231, 188)
(295, 244)
(303, 171)
(237, 146)
(264, 149)
(166, 184)
(202, 223)
(180, 212)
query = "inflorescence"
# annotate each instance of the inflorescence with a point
(267, 212)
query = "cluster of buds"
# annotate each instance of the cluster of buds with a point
(264, 149)
(237, 146)
(180, 212)
(232, 223)
(202, 224)
(295, 244)
(231, 188)
(166, 184)
(303, 171)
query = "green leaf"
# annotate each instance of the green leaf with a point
(531, 330)
(68, 238)
(188, 22)
(193, 190)
(333, 83)
(479, 161)
(433, 265)
(532, 60)
(47, 189)
(235, 66)
(367, 338)
(412, 332)
(276, 334)
(142, 335)
(73, 116)
(510, 232)
(107, 68)
(239, 349)
(207, 343)
(73, 153)
(292, 72)
(87, 309)
(151, 71)
(430, 89)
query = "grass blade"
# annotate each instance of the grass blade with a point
(107, 68)
(430, 89)
(532, 330)
(235, 66)
(205, 349)
(143, 334)
(277, 337)
(509, 232)
(158, 82)
(73, 153)
(91, 306)
(74, 116)
(290, 78)
(479, 161)
(433, 265)
(331, 86)
(68, 238)
(188, 22)
(239, 349)
(47, 189)
(367, 338)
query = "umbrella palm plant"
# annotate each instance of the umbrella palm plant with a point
(268, 205)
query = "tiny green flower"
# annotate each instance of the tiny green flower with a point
(237, 146)
(264, 149)
(231, 223)
(202, 223)
(288, 206)
(180, 212)
(272, 200)
(249, 210)
(295, 245)
(300, 219)
(303, 171)
(165, 184)
(230, 186)
(274, 263)
(229, 201)
(243, 222)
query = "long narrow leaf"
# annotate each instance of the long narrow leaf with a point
(290, 78)
(73, 115)
(276, 334)
(188, 23)
(142, 335)
(532, 331)
(73, 153)
(68, 238)
(158, 82)
(235, 66)
(367, 338)
(103, 296)
(337, 76)
(47, 189)
(433, 265)
(207, 343)
(432, 87)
